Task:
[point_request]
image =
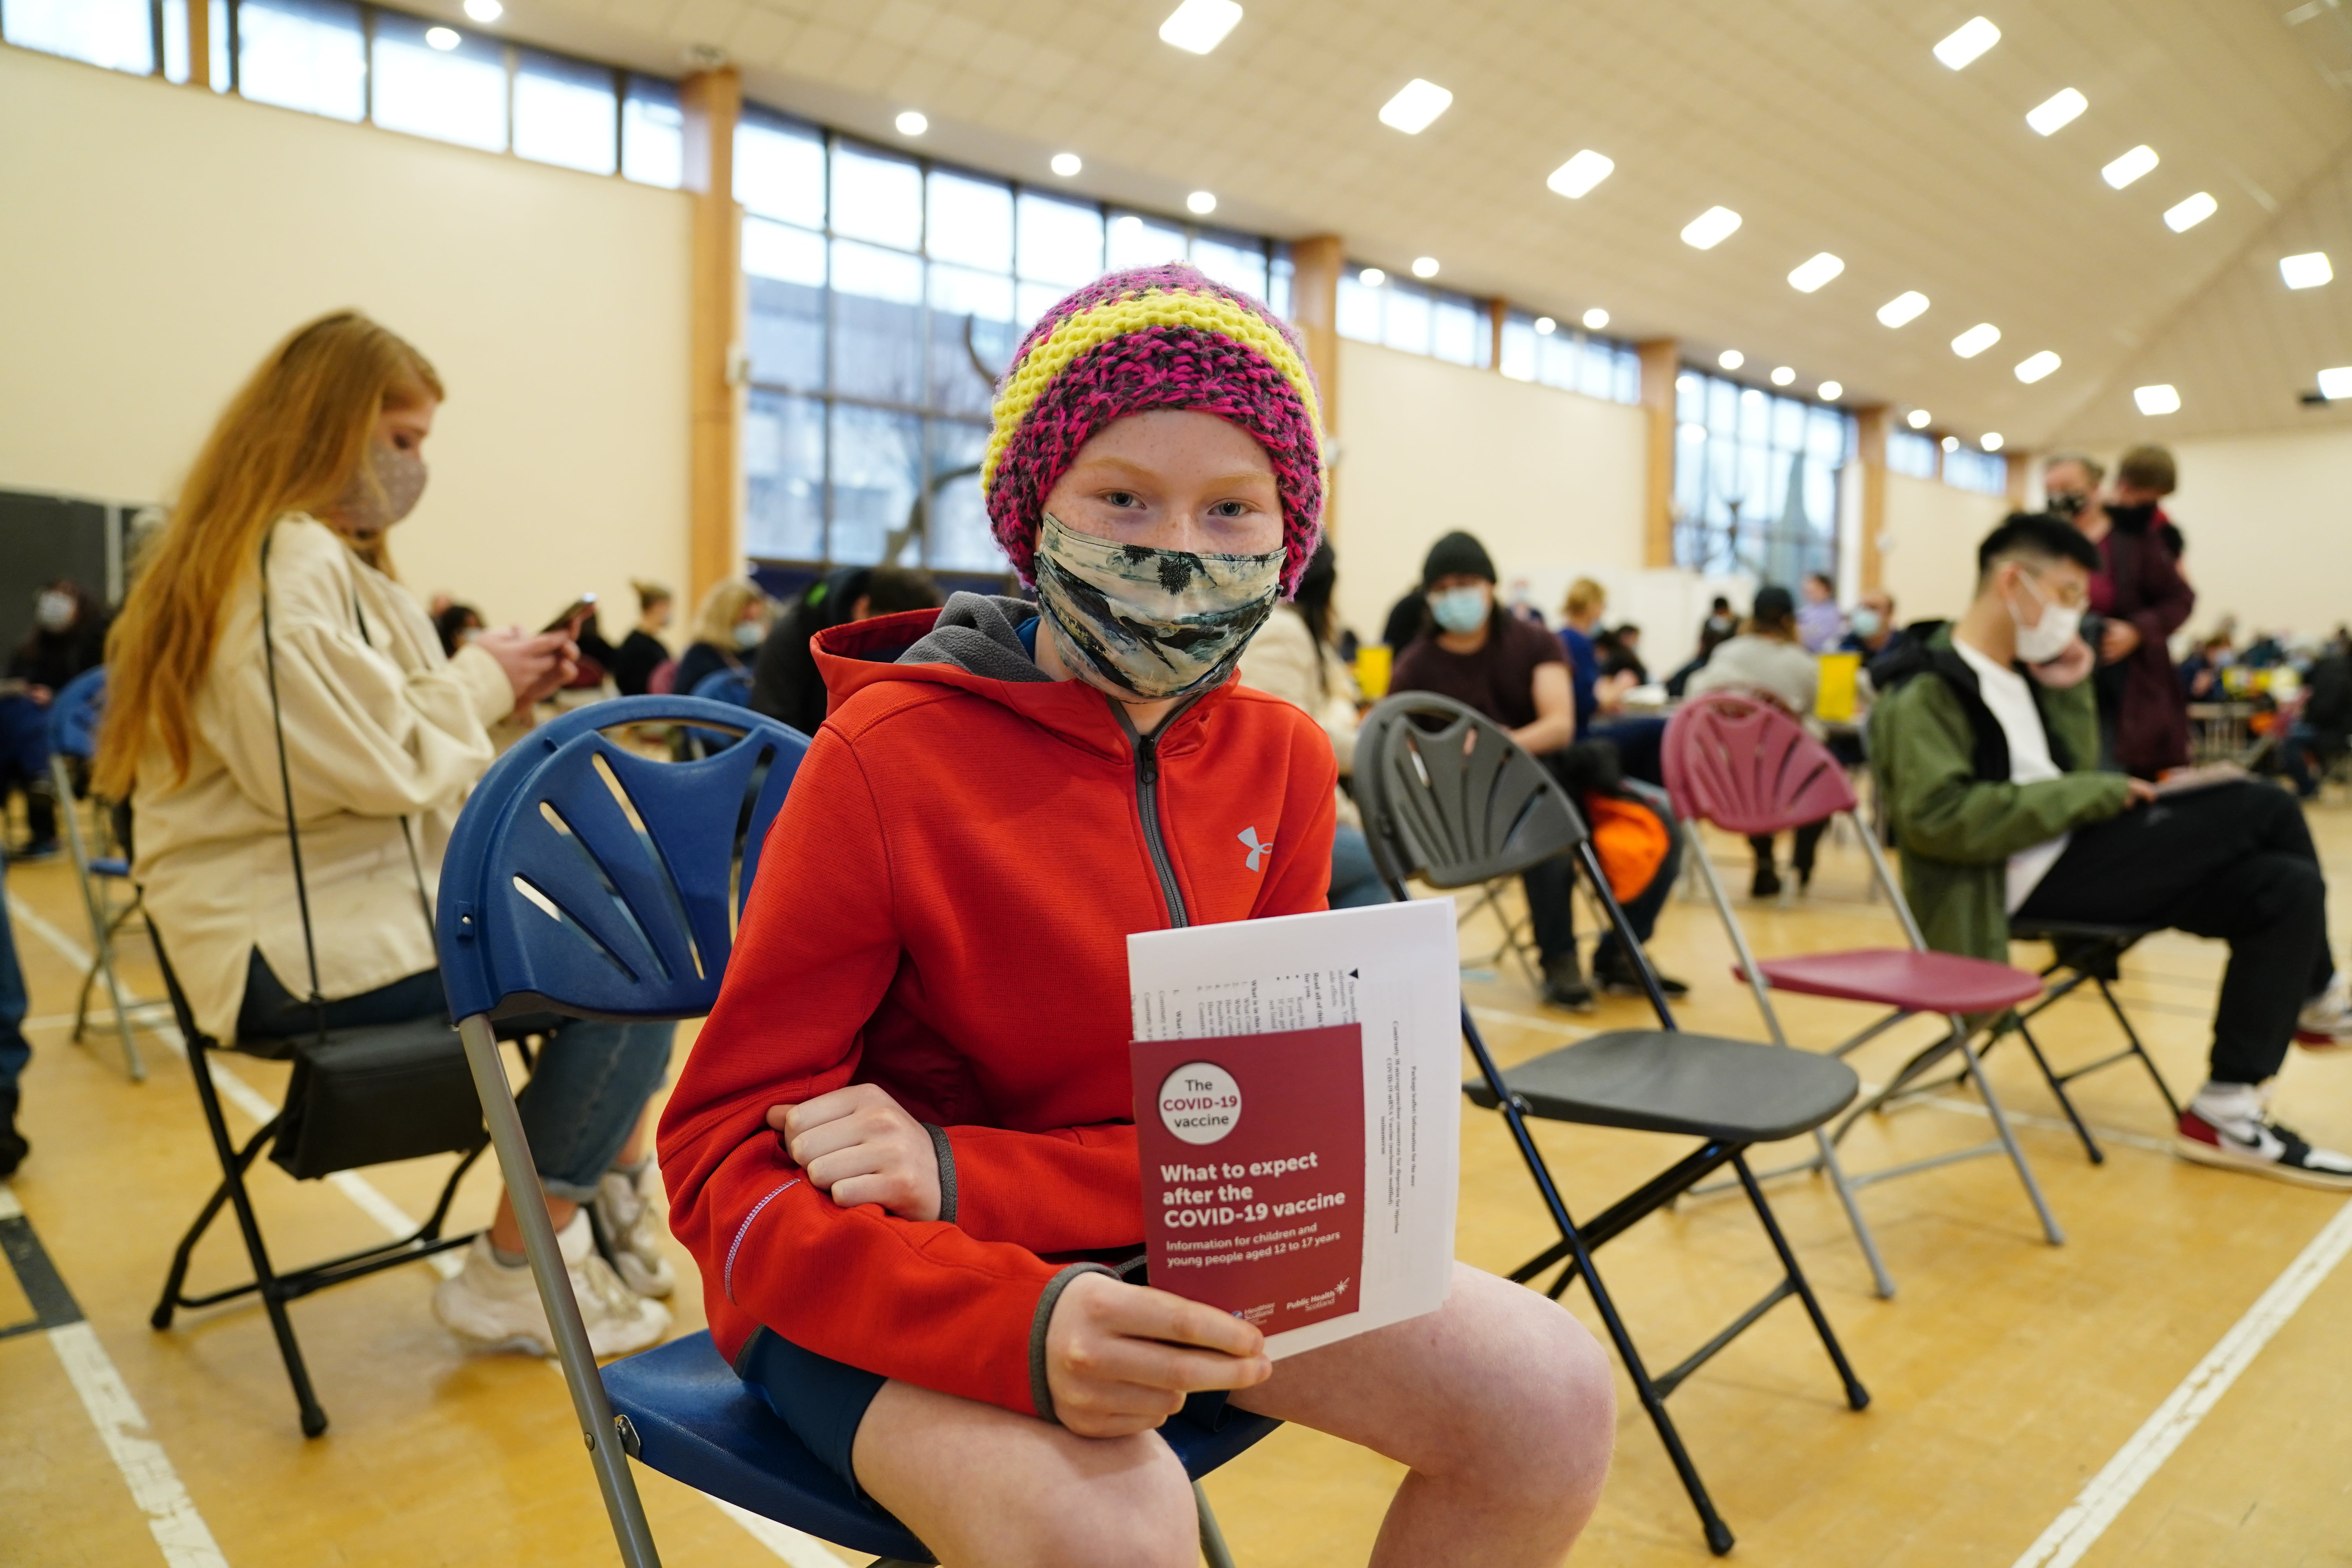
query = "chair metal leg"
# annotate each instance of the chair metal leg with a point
(2138, 1049)
(172, 1300)
(1213, 1539)
(266, 1278)
(1856, 1396)
(1869, 1243)
(102, 946)
(622, 1507)
(2058, 1089)
(2008, 1139)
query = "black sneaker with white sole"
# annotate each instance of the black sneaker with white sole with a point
(1618, 978)
(2268, 1149)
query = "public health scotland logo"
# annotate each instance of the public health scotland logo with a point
(1257, 851)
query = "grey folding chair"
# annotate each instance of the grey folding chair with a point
(1448, 798)
(74, 714)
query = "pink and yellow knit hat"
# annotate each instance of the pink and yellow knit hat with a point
(1156, 337)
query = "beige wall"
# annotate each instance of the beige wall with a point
(1930, 542)
(159, 239)
(2268, 521)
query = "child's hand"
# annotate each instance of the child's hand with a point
(860, 1146)
(1120, 1358)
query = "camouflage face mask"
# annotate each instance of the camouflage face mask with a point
(1146, 624)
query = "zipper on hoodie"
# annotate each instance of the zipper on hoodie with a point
(1147, 803)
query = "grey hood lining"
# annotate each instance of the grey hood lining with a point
(979, 634)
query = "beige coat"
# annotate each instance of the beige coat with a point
(379, 727)
(1280, 661)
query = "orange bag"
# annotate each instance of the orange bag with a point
(1631, 840)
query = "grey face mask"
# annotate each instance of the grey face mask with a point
(1148, 624)
(384, 490)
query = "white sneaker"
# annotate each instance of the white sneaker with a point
(2326, 1021)
(2233, 1128)
(632, 1234)
(494, 1308)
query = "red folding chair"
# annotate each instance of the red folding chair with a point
(1739, 761)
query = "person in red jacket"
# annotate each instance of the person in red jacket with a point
(902, 1150)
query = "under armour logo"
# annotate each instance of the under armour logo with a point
(1257, 851)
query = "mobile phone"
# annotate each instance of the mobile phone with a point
(574, 613)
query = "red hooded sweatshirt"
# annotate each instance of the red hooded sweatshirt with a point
(942, 909)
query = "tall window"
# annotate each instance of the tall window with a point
(1755, 479)
(1908, 452)
(886, 296)
(1537, 348)
(356, 62)
(1966, 468)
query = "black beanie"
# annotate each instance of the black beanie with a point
(1456, 555)
(1773, 605)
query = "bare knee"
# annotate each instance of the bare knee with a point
(1536, 1423)
(1119, 1500)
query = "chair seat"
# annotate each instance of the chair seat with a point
(1701, 1086)
(1898, 977)
(699, 1424)
(110, 866)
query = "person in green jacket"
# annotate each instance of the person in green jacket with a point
(1985, 741)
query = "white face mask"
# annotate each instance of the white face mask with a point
(2051, 635)
(54, 610)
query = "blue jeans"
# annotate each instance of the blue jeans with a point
(589, 1087)
(1354, 881)
(14, 1052)
(25, 763)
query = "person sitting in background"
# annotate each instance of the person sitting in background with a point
(67, 638)
(1596, 696)
(2141, 600)
(727, 626)
(1520, 600)
(2322, 732)
(637, 656)
(14, 1051)
(457, 624)
(903, 1147)
(1871, 629)
(1516, 675)
(1619, 651)
(785, 684)
(1986, 752)
(344, 702)
(2200, 672)
(1294, 656)
(1767, 658)
(1819, 623)
(1719, 628)
(1407, 619)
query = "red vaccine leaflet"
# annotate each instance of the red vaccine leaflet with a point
(1252, 1150)
(1297, 1090)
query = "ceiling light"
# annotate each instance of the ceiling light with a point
(1971, 39)
(2159, 399)
(1991, 441)
(1916, 419)
(2309, 270)
(1812, 274)
(2130, 166)
(1372, 277)
(485, 10)
(1416, 103)
(1975, 339)
(1710, 228)
(1782, 375)
(1424, 266)
(1199, 25)
(1066, 164)
(1595, 318)
(2185, 215)
(1546, 326)
(1731, 359)
(2057, 111)
(1951, 443)
(1581, 173)
(1830, 392)
(1201, 202)
(2030, 370)
(912, 122)
(2337, 382)
(1904, 307)
(443, 39)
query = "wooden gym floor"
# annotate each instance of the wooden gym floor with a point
(2005, 1376)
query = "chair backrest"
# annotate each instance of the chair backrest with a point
(1449, 797)
(74, 714)
(729, 686)
(587, 878)
(1741, 762)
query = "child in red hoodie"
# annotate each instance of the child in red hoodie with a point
(902, 1150)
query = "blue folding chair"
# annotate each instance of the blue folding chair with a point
(74, 714)
(732, 687)
(585, 879)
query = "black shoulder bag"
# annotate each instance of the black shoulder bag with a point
(375, 1094)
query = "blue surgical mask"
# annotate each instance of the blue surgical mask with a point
(1866, 622)
(1460, 610)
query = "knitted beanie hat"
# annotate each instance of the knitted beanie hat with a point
(1458, 554)
(1156, 337)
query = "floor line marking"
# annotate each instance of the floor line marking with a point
(790, 1545)
(2105, 1496)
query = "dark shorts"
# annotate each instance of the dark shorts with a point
(824, 1401)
